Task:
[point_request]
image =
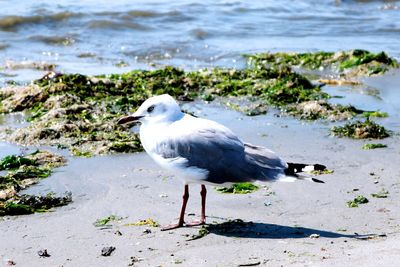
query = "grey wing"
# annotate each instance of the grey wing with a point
(221, 153)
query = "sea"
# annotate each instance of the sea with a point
(99, 36)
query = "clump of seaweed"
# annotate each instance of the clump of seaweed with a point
(23, 171)
(28, 204)
(356, 201)
(104, 221)
(383, 193)
(149, 222)
(321, 109)
(373, 146)
(361, 130)
(238, 188)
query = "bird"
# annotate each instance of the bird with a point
(205, 152)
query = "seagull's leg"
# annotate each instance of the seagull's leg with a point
(182, 215)
(202, 220)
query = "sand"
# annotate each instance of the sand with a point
(284, 215)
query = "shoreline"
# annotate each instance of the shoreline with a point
(136, 190)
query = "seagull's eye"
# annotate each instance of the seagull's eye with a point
(150, 109)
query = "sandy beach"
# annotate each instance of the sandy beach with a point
(285, 224)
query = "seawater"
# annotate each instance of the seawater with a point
(94, 37)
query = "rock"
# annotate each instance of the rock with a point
(107, 251)
(43, 253)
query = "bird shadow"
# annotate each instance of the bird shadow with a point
(243, 229)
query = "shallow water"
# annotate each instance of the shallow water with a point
(94, 37)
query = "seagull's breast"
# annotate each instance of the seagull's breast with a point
(154, 137)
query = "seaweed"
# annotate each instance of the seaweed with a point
(383, 193)
(28, 204)
(238, 188)
(373, 146)
(355, 62)
(15, 161)
(149, 222)
(104, 221)
(361, 130)
(376, 114)
(23, 171)
(356, 201)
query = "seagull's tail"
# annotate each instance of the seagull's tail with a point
(294, 172)
(264, 165)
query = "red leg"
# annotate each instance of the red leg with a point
(202, 221)
(182, 215)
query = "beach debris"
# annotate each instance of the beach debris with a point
(43, 253)
(134, 260)
(10, 262)
(320, 172)
(267, 203)
(147, 231)
(383, 193)
(361, 130)
(373, 146)
(107, 251)
(256, 263)
(314, 236)
(118, 232)
(356, 201)
(238, 188)
(149, 222)
(104, 221)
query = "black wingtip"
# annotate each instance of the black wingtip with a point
(317, 181)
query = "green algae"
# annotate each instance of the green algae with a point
(356, 201)
(15, 161)
(373, 146)
(104, 221)
(238, 188)
(150, 222)
(375, 114)
(383, 193)
(361, 130)
(350, 63)
(23, 171)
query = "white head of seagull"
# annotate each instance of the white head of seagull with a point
(156, 109)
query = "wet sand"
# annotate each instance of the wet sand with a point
(284, 215)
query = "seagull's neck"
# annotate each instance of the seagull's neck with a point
(152, 131)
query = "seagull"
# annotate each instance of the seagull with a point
(205, 152)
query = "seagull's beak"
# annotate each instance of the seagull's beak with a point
(128, 119)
